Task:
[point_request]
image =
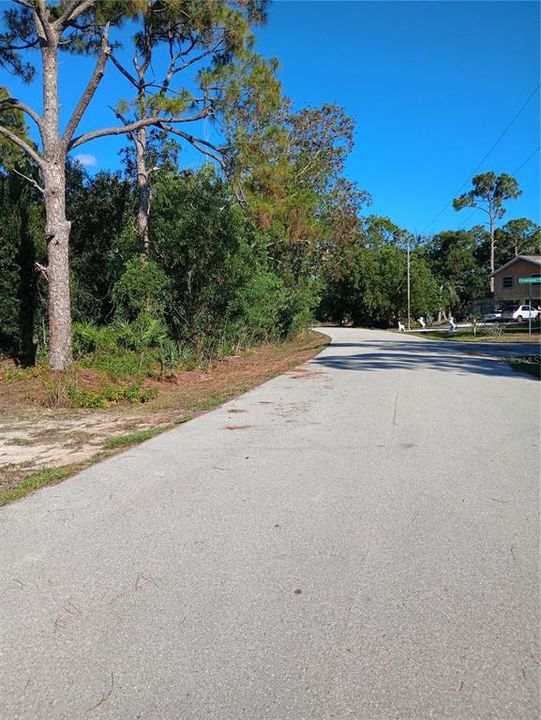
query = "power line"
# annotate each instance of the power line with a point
(465, 222)
(500, 137)
(530, 96)
(527, 160)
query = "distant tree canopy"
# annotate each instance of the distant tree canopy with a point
(249, 246)
(488, 194)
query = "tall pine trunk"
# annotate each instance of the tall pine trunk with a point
(492, 250)
(143, 191)
(57, 225)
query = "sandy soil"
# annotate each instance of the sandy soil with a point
(33, 436)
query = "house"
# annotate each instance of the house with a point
(508, 291)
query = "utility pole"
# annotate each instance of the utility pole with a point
(530, 310)
(409, 287)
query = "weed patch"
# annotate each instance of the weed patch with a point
(32, 482)
(530, 364)
(110, 395)
(131, 439)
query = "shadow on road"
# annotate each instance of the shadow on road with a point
(404, 355)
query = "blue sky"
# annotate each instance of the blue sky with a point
(431, 86)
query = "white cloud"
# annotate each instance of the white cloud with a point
(86, 160)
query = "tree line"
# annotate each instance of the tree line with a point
(251, 245)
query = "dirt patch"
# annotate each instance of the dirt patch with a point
(237, 427)
(34, 437)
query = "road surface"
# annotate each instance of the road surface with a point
(358, 539)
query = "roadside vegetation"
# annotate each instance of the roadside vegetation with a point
(530, 364)
(489, 332)
(40, 444)
(122, 290)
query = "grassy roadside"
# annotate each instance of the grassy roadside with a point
(530, 364)
(507, 333)
(43, 445)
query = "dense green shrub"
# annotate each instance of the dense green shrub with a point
(102, 239)
(20, 248)
(110, 395)
(143, 288)
(259, 305)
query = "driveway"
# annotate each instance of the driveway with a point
(358, 538)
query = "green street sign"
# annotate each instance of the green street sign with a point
(529, 281)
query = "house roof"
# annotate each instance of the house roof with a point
(534, 259)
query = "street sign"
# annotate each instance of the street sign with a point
(530, 281)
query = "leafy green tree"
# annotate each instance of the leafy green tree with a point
(289, 163)
(214, 39)
(517, 237)
(367, 282)
(452, 257)
(20, 232)
(288, 172)
(143, 288)
(488, 194)
(200, 240)
(102, 238)
(83, 27)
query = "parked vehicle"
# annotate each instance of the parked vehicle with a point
(519, 312)
(494, 316)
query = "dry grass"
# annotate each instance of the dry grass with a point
(40, 444)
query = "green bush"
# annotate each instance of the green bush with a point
(143, 333)
(260, 304)
(172, 355)
(121, 349)
(302, 300)
(122, 364)
(110, 395)
(143, 288)
(89, 338)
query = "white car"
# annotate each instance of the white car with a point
(519, 312)
(493, 316)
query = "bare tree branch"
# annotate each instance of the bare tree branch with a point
(143, 122)
(196, 143)
(16, 140)
(30, 180)
(26, 46)
(123, 70)
(72, 11)
(197, 58)
(41, 14)
(43, 270)
(173, 59)
(121, 117)
(18, 105)
(90, 89)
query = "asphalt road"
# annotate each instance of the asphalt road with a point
(359, 540)
(490, 349)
